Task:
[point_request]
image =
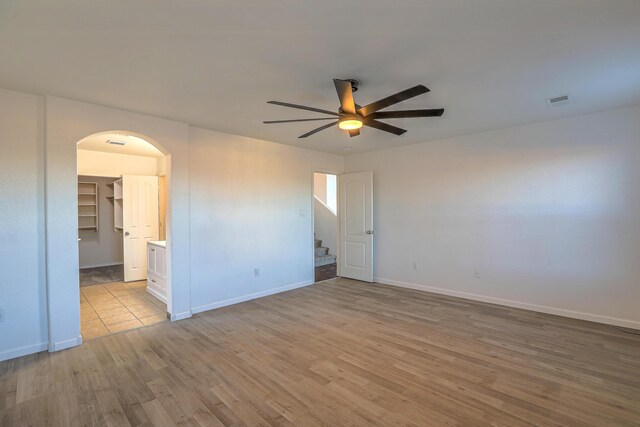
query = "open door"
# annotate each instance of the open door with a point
(356, 227)
(139, 222)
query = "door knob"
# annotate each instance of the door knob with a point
(126, 233)
(369, 232)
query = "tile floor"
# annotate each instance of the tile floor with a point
(114, 307)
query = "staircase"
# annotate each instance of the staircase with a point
(322, 255)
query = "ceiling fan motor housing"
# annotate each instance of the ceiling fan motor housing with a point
(346, 117)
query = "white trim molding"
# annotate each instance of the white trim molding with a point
(252, 296)
(64, 344)
(22, 351)
(625, 323)
(157, 294)
(109, 264)
(181, 316)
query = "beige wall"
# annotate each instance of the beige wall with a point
(320, 186)
(325, 226)
(547, 213)
(98, 163)
(22, 257)
(251, 204)
(100, 247)
(325, 222)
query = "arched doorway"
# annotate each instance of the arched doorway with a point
(66, 122)
(121, 194)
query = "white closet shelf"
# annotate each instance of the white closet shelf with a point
(87, 206)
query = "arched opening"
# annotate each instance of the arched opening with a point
(123, 230)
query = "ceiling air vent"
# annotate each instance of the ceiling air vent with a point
(116, 142)
(558, 101)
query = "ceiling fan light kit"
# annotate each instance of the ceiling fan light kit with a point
(350, 122)
(351, 117)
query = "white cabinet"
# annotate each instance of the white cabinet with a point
(157, 269)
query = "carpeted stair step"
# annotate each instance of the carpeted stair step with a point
(325, 260)
(318, 243)
(321, 251)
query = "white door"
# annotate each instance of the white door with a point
(356, 228)
(139, 222)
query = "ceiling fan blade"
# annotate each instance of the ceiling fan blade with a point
(302, 107)
(345, 93)
(354, 132)
(297, 120)
(383, 126)
(316, 130)
(406, 114)
(393, 99)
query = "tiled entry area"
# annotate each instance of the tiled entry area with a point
(115, 307)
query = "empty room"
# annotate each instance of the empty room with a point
(296, 213)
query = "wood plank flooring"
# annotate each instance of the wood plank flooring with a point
(337, 353)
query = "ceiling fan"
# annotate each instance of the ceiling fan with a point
(351, 116)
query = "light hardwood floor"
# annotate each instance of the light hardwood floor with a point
(337, 353)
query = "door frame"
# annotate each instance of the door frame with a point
(167, 174)
(313, 219)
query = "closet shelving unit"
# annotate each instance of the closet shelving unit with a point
(110, 197)
(117, 205)
(88, 206)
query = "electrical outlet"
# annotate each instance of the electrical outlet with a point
(1, 315)
(415, 265)
(256, 272)
(477, 273)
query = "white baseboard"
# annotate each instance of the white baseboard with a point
(249, 297)
(100, 265)
(625, 323)
(22, 351)
(64, 344)
(182, 315)
(157, 294)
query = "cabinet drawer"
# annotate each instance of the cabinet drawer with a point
(157, 287)
(156, 281)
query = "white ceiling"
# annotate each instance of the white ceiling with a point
(490, 63)
(133, 145)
